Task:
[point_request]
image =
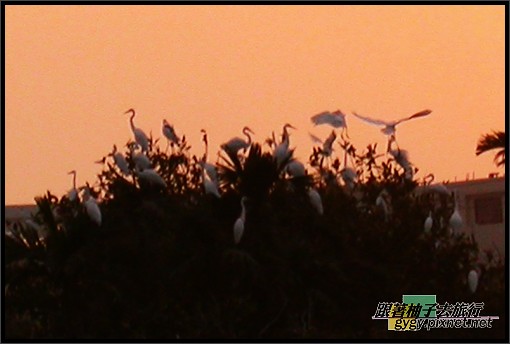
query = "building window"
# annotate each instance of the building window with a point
(488, 210)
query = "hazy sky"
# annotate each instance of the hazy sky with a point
(72, 71)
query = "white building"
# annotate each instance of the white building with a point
(481, 204)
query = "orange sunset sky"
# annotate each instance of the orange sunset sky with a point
(72, 72)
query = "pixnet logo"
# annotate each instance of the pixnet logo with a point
(422, 311)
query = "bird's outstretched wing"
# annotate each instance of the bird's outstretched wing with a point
(324, 117)
(335, 119)
(315, 138)
(370, 120)
(416, 115)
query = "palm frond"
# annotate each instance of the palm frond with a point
(491, 141)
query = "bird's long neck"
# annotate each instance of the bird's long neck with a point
(345, 157)
(243, 211)
(74, 180)
(131, 120)
(206, 150)
(245, 132)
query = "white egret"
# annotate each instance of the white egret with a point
(210, 186)
(239, 224)
(455, 219)
(150, 176)
(91, 207)
(390, 126)
(285, 133)
(296, 169)
(208, 167)
(473, 280)
(169, 132)
(235, 144)
(402, 158)
(281, 151)
(327, 145)
(140, 136)
(73, 193)
(140, 159)
(382, 201)
(335, 119)
(349, 176)
(315, 200)
(120, 161)
(427, 226)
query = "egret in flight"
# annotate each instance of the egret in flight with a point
(140, 136)
(390, 127)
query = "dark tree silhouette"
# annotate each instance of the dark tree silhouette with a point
(164, 265)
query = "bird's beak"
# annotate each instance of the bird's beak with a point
(251, 131)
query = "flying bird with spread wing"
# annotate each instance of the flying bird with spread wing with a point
(390, 126)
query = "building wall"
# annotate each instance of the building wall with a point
(481, 204)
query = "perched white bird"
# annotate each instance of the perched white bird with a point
(92, 208)
(455, 219)
(327, 145)
(208, 167)
(427, 226)
(73, 193)
(235, 144)
(140, 136)
(140, 159)
(390, 126)
(473, 280)
(169, 132)
(285, 133)
(120, 161)
(335, 119)
(210, 186)
(383, 202)
(349, 176)
(281, 151)
(402, 158)
(315, 200)
(239, 224)
(150, 176)
(296, 169)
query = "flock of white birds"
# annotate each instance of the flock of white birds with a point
(282, 153)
